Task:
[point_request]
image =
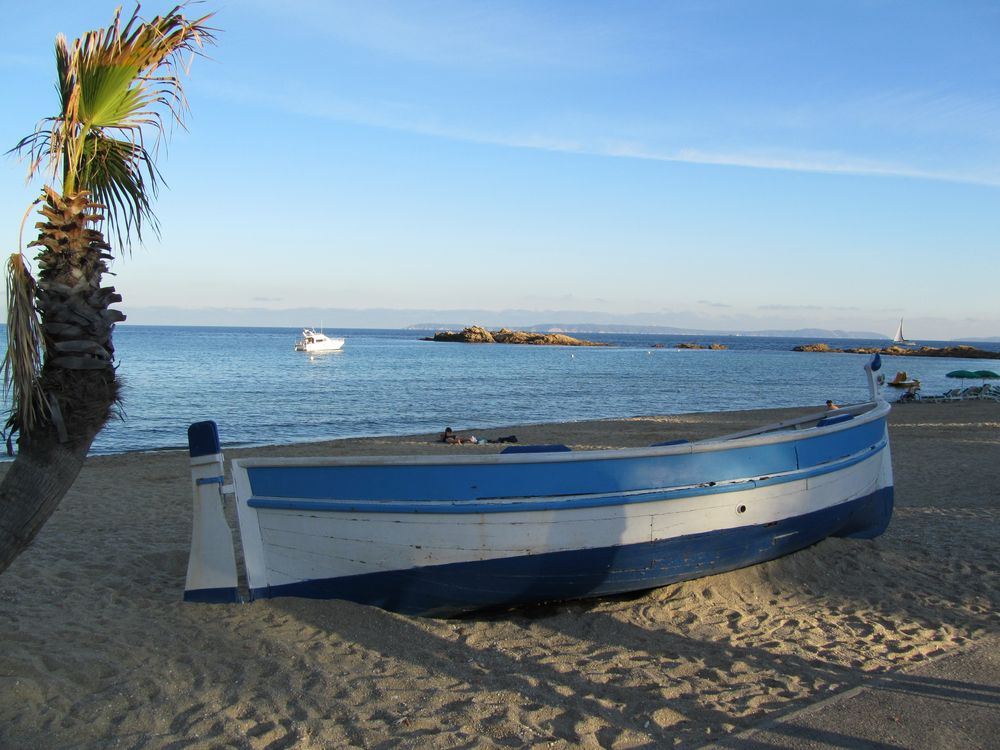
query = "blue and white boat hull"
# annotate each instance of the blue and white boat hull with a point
(443, 535)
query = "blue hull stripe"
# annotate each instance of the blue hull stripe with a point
(557, 503)
(226, 595)
(446, 590)
(563, 473)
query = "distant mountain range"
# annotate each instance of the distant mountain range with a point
(516, 319)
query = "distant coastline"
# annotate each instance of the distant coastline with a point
(571, 322)
(380, 320)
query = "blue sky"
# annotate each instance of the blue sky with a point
(713, 164)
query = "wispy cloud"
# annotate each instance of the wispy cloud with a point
(466, 34)
(804, 161)
(789, 307)
(607, 90)
(924, 111)
(413, 118)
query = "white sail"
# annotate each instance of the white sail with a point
(899, 338)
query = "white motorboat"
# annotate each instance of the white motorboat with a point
(314, 341)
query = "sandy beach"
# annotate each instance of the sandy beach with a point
(100, 651)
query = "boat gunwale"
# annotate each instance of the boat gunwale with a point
(530, 504)
(770, 434)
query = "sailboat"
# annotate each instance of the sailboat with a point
(899, 338)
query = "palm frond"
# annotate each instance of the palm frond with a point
(114, 170)
(23, 361)
(126, 74)
(114, 83)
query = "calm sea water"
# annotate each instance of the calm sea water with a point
(260, 391)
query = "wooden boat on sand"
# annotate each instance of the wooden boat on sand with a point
(441, 535)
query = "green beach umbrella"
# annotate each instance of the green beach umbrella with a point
(983, 375)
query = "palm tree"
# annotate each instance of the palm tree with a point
(115, 85)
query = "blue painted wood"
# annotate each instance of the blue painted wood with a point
(515, 479)
(550, 448)
(829, 446)
(549, 503)
(203, 439)
(226, 595)
(446, 590)
(827, 421)
(559, 477)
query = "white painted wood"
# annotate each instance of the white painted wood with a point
(290, 546)
(212, 560)
(250, 536)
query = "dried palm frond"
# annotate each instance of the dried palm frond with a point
(114, 83)
(23, 362)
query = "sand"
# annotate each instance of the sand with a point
(100, 651)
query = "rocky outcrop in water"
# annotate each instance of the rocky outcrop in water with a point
(479, 335)
(961, 352)
(688, 345)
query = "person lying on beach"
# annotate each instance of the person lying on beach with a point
(448, 436)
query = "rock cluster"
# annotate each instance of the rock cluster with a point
(687, 345)
(479, 335)
(961, 351)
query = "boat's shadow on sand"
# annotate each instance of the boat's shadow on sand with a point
(698, 661)
(719, 654)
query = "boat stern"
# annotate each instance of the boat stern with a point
(211, 574)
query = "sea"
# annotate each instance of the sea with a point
(392, 382)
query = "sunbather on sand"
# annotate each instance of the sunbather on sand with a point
(449, 436)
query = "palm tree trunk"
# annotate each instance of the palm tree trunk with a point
(78, 384)
(35, 483)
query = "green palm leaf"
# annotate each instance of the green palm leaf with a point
(117, 87)
(114, 171)
(114, 83)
